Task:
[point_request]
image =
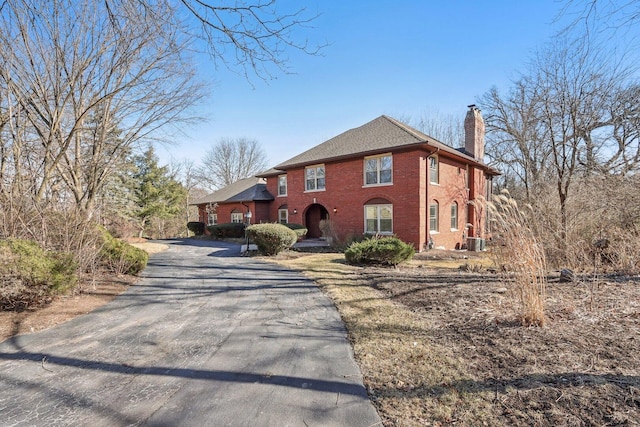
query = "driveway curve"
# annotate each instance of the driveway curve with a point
(206, 338)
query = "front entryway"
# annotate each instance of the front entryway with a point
(314, 214)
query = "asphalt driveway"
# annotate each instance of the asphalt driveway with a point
(207, 338)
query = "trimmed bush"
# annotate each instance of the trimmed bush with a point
(29, 275)
(384, 250)
(299, 229)
(231, 230)
(196, 227)
(272, 238)
(120, 257)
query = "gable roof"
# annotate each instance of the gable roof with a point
(250, 189)
(381, 134)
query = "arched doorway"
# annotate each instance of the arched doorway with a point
(314, 214)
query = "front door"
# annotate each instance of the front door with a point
(315, 213)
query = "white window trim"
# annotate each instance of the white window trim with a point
(286, 211)
(378, 216)
(437, 230)
(457, 215)
(236, 214)
(315, 190)
(364, 171)
(437, 170)
(286, 185)
(212, 218)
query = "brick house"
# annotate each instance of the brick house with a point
(383, 177)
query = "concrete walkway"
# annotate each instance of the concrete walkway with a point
(207, 338)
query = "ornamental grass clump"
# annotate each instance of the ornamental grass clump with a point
(271, 239)
(384, 251)
(521, 257)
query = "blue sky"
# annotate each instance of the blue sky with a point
(396, 57)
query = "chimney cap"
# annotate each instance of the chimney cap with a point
(472, 106)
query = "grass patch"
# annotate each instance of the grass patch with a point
(410, 378)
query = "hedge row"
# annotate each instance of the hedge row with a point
(228, 230)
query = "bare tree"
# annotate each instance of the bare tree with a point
(252, 37)
(447, 128)
(231, 159)
(568, 117)
(89, 87)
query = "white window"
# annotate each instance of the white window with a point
(433, 170)
(314, 178)
(236, 217)
(433, 217)
(378, 219)
(378, 170)
(454, 216)
(283, 215)
(212, 218)
(282, 185)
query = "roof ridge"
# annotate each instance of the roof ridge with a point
(410, 130)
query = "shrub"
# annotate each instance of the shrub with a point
(30, 275)
(229, 230)
(272, 238)
(196, 227)
(299, 229)
(120, 257)
(385, 250)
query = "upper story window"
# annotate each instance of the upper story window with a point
(314, 178)
(378, 170)
(433, 170)
(282, 185)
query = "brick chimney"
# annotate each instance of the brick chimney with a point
(474, 133)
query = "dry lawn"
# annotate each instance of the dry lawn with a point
(441, 346)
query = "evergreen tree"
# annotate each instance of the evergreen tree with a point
(158, 194)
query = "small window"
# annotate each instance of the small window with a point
(236, 217)
(454, 216)
(433, 170)
(283, 215)
(433, 217)
(282, 185)
(378, 170)
(212, 219)
(314, 178)
(378, 219)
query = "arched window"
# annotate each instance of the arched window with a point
(434, 208)
(454, 215)
(378, 217)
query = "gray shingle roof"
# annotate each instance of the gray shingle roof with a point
(383, 133)
(244, 190)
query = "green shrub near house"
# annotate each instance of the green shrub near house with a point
(231, 230)
(272, 238)
(299, 229)
(196, 227)
(29, 275)
(120, 257)
(385, 251)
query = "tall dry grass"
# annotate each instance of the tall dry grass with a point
(521, 257)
